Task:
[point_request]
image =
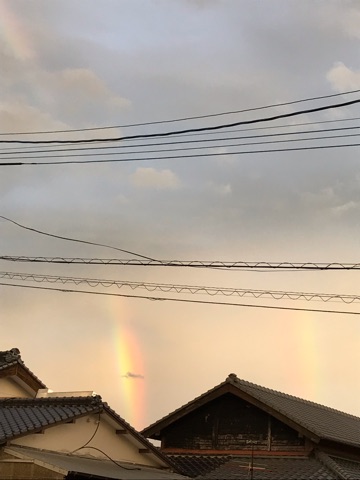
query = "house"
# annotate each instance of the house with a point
(68, 435)
(242, 430)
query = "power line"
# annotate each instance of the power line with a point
(183, 300)
(176, 157)
(182, 289)
(30, 148)
(215, 264)
(191, 130)
(73, 239)
(184, 118)
(68, 151)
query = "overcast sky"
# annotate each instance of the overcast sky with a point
(83, 64)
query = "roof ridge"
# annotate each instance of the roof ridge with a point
(92, 400)
(326, 460)
(283, 403)
(9, 358)
(294, 397)
(137, 434)
(185, 405)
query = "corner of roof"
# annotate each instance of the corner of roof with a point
(136, 434)
(9, 356)
(231, 379)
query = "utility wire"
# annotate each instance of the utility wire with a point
(30, 148)
(177, 157)
(109, 458)
(30, 154)
(181, 149)
(183, 300)
(74, 239)
(217, 264)
(93, 434)
(191, 130)
(182, 289)
(184, 118)
(177, 142)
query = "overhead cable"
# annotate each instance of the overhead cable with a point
(182, 300)
(223, 265)
(191, 130)
(55, 148)
(74, 239)
(176, 157)
(293, 102)
(70, 148)
(182, 289)
(68, 151)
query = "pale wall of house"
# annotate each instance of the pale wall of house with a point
(67, 438)
(13, 469)
(9, 388)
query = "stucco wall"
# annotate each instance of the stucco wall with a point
(9, 388)
(67, 438)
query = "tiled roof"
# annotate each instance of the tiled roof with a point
(264, 468)
(326, 423)
(197, 465)
(22, 416)
(349, 469)
(19, 417)
(11, 358)
(345, 468)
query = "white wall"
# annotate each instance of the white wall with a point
(66, 438)
(9, 388)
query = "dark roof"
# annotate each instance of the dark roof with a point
(75, 466)
(312, 418)
(230, 467)
(22, 416)
(198, 465)
(344, 468)
(12, 358)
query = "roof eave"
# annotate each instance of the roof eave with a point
(139, 437)
(156, 427)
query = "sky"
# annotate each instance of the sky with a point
(72, 65)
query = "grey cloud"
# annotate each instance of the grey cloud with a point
(133, 375)
(127, 62)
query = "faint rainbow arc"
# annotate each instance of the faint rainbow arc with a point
(13, 33)
(129, 358)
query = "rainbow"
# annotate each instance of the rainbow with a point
(130, 367)
(13, 35)
(306, 370)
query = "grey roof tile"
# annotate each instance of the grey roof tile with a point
(221, 467)
(196, 465)
(325, 422)
(21, 416)
(12, 357)
(28, 415)
(346, 469)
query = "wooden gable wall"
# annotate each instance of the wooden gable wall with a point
(230, 423)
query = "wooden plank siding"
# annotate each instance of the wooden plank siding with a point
(230, 423)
